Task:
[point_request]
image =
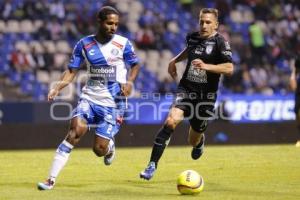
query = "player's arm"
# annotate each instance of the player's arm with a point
(131, 59)
(66, 78)
(69, 74)
(172, 64)
(133, 73)
(293, 82)
(223, 68)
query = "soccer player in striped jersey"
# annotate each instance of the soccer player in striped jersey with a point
(102, 101)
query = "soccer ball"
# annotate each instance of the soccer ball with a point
(190, 182)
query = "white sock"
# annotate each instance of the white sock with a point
(110, 144)
(60, 159)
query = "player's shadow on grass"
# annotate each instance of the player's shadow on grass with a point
(132, 188)
(211, 187)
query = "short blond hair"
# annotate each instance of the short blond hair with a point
(213, 11)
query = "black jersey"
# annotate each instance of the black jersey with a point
(213, 50)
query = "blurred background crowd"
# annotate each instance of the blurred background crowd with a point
(37, 38)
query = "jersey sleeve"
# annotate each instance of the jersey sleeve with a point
(76, 58)
(129, 55)
(225, 51)
(187, 39)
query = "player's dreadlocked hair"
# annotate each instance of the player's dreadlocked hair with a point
(106, 10)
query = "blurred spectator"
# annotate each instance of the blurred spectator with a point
(224, 10)
(257, 43)
(6, 9)
(144, 38)
(186, 4)
(38, 59)
(19, 61)
(55, 29)
(57, 9)
(259, 78)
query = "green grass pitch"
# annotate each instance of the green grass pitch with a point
(230, 172)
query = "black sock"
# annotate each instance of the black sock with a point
(160, 143)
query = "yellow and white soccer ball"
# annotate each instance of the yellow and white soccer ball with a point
(190, 182)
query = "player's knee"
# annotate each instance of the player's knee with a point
(171, 123)
(199, 127)
(100, 150)
(74, 135)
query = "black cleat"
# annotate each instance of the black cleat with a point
(198, 150)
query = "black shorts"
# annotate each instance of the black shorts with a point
(197, 108)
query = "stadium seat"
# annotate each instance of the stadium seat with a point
(37, 46)
(37, 24)
(50, 46)
(2, 26)
(12, 26)
(26, 26)
(54, 77)
(26, 87)
(28, 76)
(42, 76)
(22, 46)
(62, 46)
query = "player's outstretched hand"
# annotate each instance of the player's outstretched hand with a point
(52, 94)
(172, 70)
(126, 89)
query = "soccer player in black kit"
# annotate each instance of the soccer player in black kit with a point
(208, 56)
(295, 86)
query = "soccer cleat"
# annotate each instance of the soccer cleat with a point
(47, 185)
(198, 150)
(148, 173)
(298, 143)
(108, 158)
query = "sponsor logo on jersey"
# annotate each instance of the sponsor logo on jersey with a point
(89, 45)
(112, 60)
(104, 70)
(227, 45)
(92, 52)
(117, 44)
(103, 73)
(193, 41)
(197, 75)
(209, 49)
(227, 53)
(199, 50)
(114, 52)
(211, 43)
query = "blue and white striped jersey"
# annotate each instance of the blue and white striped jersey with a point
(106, 67)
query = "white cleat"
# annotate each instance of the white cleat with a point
(109, 157)
(47, 185)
